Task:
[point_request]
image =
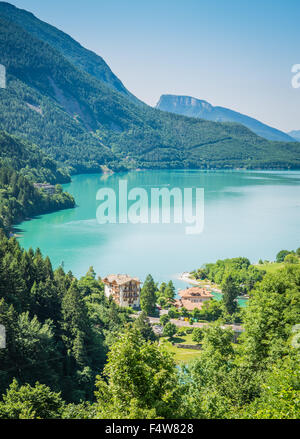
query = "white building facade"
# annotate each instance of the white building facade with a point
(124, 289)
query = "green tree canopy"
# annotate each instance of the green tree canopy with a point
(27, 402)
(143, 325)
(164, 319)
(230, 292)
(281, 255)
(270, 316)
(169, 330)
(291, 259)
(148, 295)
(141, 380)
(197, 335)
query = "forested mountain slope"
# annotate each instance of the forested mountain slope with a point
(20, 199)
(85, 124)
(30, 160)
(82, 58)
(21, 165)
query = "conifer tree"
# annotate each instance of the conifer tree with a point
(148, 295)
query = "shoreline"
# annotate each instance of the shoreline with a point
(15, 235)
(207, 284)
(186, 277)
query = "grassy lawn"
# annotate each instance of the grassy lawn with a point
(181, 355)
(205, 282)
(270, 267)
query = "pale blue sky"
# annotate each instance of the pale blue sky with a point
(233, 53)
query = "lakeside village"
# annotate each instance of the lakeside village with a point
(169, 317)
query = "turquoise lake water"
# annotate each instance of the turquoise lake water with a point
(246, 213)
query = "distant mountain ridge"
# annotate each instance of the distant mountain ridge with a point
(189, 106)
(84, 123)
(295, 135)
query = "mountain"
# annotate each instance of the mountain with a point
(295, 135)
(193, 107)
(44, 100)
(82, 58)
(30, 161)
(84, 123)
(21, 165)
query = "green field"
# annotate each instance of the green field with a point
(270, 267)
(181, 355)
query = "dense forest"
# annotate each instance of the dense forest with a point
(72, 353)
(82, 58)
(56, 326)
(84, 123)
(19, 199)
(21, 166)
(244, 274)
(30, 161)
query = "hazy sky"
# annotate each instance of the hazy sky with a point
(233, 53)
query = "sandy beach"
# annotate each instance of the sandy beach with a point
(186, 277)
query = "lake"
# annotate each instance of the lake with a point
(246, 213)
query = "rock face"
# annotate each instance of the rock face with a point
(295, 135)
(193, 107)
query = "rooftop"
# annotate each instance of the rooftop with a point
(119, 279)
(195, 292)
(43, 185)
(189, 306)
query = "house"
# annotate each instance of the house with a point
(48, 188)
(192, 298)
(124, 289)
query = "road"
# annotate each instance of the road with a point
(180, 323)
